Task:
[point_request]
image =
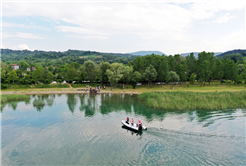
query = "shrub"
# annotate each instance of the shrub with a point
(47, 81)
(222, 81)
(7, 81)
(3, 86)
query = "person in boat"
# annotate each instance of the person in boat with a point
(127, 120)
(132, 121)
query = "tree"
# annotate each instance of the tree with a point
(171, 63)
(135, 77)
(181, 71)
(205, 71)
(19, 73)
(104, 66)
(240, 68)
(191, 64)
(12, 75)
(219, 70)
(127, 73)
(38, 74)
(172, 77)
(163, 69)
(90, 69)
(192, 79)
(71, 74)
(115, 73)
(150, 74)
(129, 64)
(50, 68)
(50, 76)
(231, 70)
(23, 65)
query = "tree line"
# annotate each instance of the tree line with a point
(149, 68)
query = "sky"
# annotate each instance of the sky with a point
(171, 27)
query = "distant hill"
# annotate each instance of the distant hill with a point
(196, 54)
(236, 51)
(143, 53)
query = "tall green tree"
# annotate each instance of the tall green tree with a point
(163, 69)
(219, 71)
(114, 73)
(205, 71)
(181, 71)
(191, 64)
(127, 74)
(172, 77)
(150, 74)
(135, 77)
(50, 76)
(192, 79)
(38, 74)
(104, 66)
(71, 74)
(171, 63)
(12, 76)
(90, 70)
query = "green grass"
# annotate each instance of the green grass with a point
(13, 97)
(180, 100)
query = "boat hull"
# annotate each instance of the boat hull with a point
(132, 127)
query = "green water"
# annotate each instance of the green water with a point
(79, 129)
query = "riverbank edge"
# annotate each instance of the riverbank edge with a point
(63, 92)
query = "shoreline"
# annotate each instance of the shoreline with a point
(64, 92)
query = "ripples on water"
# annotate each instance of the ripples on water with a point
(79, 129)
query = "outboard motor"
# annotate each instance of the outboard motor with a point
(140, 127)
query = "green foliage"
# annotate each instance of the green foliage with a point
(150, 74)
(3, 87)
(115, 73)
(192, 79)
(194, 100)
(90, 69)
(172, 77)
(71, 74)
(38, 74)
(47, 81)
(127, 74)
(136, 76)
(12, 76)
(235, 57)
(104, 66)
(13, 97)
(181, 71)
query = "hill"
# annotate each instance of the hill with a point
(196, 54)
(143, 53)
(47, 58)
(236, 51)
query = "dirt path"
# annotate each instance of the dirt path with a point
(70, 85)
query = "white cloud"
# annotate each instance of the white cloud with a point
(88, 37)
(23, 47)
(231, 41)
(22, 35)
(223, 19)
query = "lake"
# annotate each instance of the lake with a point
(83, 129)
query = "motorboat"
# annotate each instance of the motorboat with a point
(133, 126)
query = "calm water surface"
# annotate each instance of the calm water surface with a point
(79, 129)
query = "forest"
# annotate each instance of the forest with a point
(120, 68)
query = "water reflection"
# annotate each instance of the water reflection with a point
(108, 103)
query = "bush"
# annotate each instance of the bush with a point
(47, 81)
(70, 81)
(33, 82)
(59, 81)
(7, 81)
(3, 86)
(222, 81)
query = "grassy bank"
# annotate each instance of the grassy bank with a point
(178, 100)
(13, 97)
